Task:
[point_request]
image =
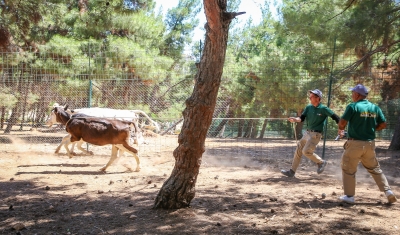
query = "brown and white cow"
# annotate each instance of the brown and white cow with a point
(137, 138)
(99, 131)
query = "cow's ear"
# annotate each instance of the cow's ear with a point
(66, 107)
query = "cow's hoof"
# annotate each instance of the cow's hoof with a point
(91, 153)
(128, 167)
(103, 169)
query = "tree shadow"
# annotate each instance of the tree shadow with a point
(124, 206)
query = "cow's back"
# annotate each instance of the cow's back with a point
(109, 113)
(98, 131)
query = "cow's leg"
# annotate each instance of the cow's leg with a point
(72, 147)
(65, 142)
(114, 152)
(69, 152)
(127, 148)
(72, 141)
(64, 139)
(79, 146)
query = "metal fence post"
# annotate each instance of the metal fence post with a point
(90, 93)
(329, 96)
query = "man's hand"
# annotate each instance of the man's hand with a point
(341, 133)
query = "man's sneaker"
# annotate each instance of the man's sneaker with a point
(321, 167)
(390, 196)
(347, 199)
(288, 173)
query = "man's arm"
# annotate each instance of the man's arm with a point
(336, 118)
(380, 126)
(341, 125)
(297, 119)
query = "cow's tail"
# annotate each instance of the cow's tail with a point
(139, 139)
(135, 126)
(155, 124)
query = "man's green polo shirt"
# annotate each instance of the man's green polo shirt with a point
(362, 118)
(315, 116)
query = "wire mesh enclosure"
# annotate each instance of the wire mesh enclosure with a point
(254, 100)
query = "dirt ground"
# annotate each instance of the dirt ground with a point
(239, 191)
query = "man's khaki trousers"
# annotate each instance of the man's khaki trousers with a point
(360, 151)
(306, 146)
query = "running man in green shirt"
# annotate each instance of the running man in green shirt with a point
(315, 115)
(362, 118)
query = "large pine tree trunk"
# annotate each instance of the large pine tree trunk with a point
(179, 189)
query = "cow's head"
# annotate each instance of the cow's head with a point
(58, 115)
(52, 119)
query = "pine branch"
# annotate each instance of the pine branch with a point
(351, 3)
(369, 54)
(232, 15)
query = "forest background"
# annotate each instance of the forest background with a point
(269, 66)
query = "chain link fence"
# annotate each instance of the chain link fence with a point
(253, 103)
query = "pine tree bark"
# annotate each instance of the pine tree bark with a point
(179, 189)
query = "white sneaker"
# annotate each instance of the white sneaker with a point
(390, 196)
(347, 199)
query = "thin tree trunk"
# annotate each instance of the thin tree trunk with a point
(154, 100)
(249, 128)
(254, 129)
(221, 132)
(217, 130)
(12, 120)
(126, 89)
(2, 118)
(172, 127)
(264, 126)
(299, 126)
(240, 128)
(14, 111)
(179, 189)
(24, 103)
(395, 143)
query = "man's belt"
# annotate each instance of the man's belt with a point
(355, 139)
(314, 131)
